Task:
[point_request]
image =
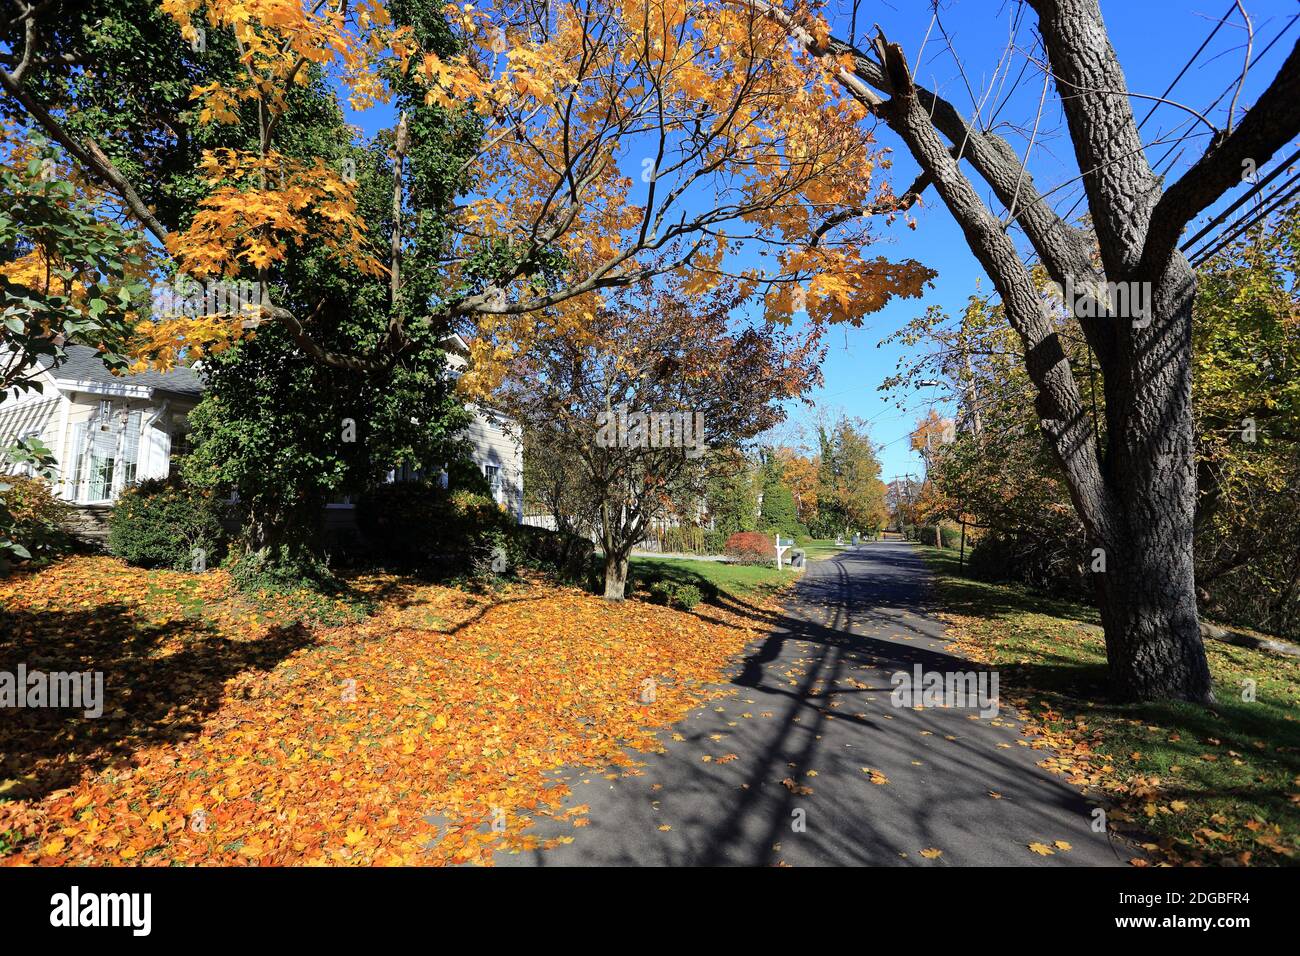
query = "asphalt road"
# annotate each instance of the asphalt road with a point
(813, 707)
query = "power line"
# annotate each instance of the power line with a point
(1272, 202)
(1285, 164)
(1169, 89)
(1228, 89)
(1286, 27)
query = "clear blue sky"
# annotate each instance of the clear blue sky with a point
(1154, 40)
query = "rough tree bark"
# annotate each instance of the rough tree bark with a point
(616, 566)
(1136, 496)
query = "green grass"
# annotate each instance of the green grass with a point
(818, 549)
(1212, 785)
(713, 578)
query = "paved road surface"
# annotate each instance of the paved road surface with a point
(818, 693)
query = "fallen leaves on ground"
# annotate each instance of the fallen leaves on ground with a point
(427, 733)
(1199, 810)
(875, 775)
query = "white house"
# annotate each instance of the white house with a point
(108, 431)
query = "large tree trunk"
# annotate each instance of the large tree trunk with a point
(284, 541)
(1147, 595)
(616, 565)
(1153, 638)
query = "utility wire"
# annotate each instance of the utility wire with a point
(1273, 202)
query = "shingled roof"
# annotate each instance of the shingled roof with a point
(84, 365)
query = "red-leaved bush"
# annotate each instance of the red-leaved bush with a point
(750, 547)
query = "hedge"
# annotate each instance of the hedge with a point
(751, 547)
(162, 524)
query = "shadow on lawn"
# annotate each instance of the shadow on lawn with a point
(150, 696)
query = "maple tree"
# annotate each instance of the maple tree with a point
(737, 134)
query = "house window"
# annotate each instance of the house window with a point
(78, 458)
(129, 449)
(181, 447)
(102, 469)
(105, 453)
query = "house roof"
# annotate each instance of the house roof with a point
(84, 365)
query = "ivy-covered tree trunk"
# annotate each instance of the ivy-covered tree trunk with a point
(283, 544)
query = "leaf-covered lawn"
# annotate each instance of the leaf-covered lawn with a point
(1217, 785)
(426, 733)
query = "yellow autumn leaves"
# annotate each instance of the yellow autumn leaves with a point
(463, 710)
(626, 138)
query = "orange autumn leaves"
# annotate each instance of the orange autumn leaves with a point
(278, 39)
(428, 733)
(624, 138)
(258, 211)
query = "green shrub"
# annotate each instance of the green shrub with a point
(422, 526)
(661, 592)
(463, 474)
(285, 569)
(160, 524)
(555, 551)
(715, 542)
(37, 520)
(1049, 564)
(687, 596)
(671, 594)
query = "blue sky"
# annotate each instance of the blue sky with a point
(1154, 40)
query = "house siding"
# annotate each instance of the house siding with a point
(496, 444)
(19, 419)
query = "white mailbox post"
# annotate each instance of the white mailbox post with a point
(782, 546)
